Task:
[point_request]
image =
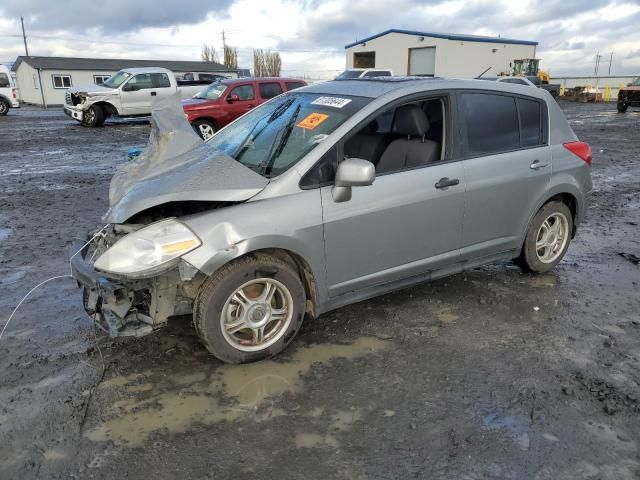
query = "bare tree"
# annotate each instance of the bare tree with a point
(230, 57)
(209, 54)
(266, 63)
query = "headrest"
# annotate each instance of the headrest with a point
(433, 109)
(411, 120)
(372, 127)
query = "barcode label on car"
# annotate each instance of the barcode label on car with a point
(335, 102)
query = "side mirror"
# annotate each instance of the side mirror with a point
(233, 98)
(352, 172)
(128, 87)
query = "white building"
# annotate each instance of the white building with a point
(437, 54)
(43, 80)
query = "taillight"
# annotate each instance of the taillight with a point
(13, 92)
(580, 149)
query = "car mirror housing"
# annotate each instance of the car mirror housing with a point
(352, 172)
(233, 98)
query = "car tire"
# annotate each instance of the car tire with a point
(93, 116)
(4, 107)
(205, 128)
(622, 108)
(235, 304)
(547, 239)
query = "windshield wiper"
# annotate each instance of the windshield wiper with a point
(268, 165)
(274, 115)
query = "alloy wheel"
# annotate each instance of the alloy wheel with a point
(552, 237)
(256, 314)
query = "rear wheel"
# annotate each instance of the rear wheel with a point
(622, 107)
(205, 128)
(547, 238)
(93, 116)
(250, 309)
(4, 107)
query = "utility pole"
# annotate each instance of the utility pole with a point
(610, 62)
(224, 42)
(24, 37)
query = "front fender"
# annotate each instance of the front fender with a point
(292, 223)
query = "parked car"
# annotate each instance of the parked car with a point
(353, 73)
(127, 93)
(530, 81)
(330, 195)
(629, 96)
(8, 97)
(224, 101)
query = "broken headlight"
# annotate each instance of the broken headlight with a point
(148, 250)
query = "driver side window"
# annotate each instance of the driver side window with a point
(141, 81)
(245, 92)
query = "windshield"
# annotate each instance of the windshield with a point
(275, 136)
(347, 74)
(636, 82)
(212, 92)
(115, 80)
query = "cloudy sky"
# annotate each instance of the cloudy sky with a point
(311, 34)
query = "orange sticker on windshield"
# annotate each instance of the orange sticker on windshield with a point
(313, 120)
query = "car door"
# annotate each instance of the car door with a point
(240, 100)
(161, 86)
(136, 95)
(507, 167)
(405, 224)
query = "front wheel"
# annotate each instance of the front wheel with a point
(547, 238)
(250, 309)
(93, 116)
(4, 107)
(204, 128)
(622, 107)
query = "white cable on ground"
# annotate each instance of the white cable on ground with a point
(52, 278)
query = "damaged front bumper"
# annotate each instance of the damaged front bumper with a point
(74, 112)
(133, 307)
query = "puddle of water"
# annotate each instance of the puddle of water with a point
(314, 440)
(542, 281)
(518, 425)
(4, 233)
(8, 278)
(54, 454)
(177, 401)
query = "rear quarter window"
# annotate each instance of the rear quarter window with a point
(531, 124)
(269, 90)
(490, 123)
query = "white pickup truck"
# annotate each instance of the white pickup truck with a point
(7, 91)
(127, 93)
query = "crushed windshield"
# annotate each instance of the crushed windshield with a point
(212, 92)
(275, 136)
(347, 74)
(115, 80)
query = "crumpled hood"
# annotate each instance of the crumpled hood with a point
(177, 166)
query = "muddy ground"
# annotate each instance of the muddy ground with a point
(489, 374)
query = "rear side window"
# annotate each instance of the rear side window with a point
(530, 122)
(491, 123)
(294, 85)
(269, 90)
(160, 80)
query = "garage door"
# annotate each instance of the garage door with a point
(422, 61)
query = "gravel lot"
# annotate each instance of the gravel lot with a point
(489, 374)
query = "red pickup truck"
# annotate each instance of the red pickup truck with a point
(224, 101)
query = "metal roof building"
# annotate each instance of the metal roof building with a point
(43, 80)
(409, 52)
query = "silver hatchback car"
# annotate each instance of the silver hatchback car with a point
(326, 196)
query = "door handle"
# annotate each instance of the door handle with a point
(537, 164)
(447, 182)
(153, 94)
